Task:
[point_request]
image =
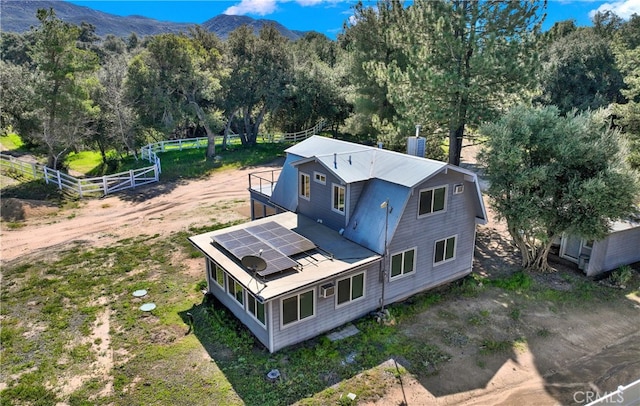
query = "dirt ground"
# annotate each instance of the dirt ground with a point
(566, 352)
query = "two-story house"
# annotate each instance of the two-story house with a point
(341, 230)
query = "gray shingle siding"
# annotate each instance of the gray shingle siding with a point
(320, 204)
(619, 248)
(327, 316)
(423, 233)
(236, 308)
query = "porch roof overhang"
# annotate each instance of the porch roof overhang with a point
(335, 255)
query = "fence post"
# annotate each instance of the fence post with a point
(59, 180)
(80, 188)
(105, 185)
(132, 179)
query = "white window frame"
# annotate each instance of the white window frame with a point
(320, 178)
(444, 259)
(351, 299)
(403, 273)
(213, 273)
(232, 292)
(335, 187)
(299, 320)
(308, 181)
(253, 312)
(433, 189)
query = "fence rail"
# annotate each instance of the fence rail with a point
(130, 179)
(82, 186)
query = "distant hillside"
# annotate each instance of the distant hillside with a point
(20, 16)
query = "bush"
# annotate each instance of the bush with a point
(621, 276)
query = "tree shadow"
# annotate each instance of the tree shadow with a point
(143, 193)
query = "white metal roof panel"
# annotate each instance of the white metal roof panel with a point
(353, 162)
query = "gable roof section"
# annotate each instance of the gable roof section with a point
(354, 162)
(367, 224)
(285, 193)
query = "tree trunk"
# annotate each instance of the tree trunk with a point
(541, 260)
(227, 128)
(455, 144)
(211, 137)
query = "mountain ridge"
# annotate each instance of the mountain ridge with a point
(20, 15)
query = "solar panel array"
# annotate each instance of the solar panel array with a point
(276, 242)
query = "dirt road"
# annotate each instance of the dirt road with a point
(154, 209)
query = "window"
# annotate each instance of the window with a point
(217, 273)
(256, 308)
(403, 263)
(305, 186)
(235, 290)
(338, 198)
(320, 178)
(445, 250)
(432, 201)
(297, 308)
(350, 289)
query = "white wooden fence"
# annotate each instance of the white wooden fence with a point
(133, 178)
(82, 186)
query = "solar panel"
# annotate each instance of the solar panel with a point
(270, 241)
(281, 238)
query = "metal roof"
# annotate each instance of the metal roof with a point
(367, 224)
(285, 193)
(353, 162)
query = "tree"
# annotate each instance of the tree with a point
(365, 43)
(174, 83)
(314, 93)
(626, 48)
(64, 77)
(551, 174)
(260, 73)
(461, 62)
(579, 72)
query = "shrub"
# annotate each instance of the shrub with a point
(621, 276)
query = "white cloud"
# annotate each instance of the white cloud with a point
(622, 8)
(264, 7)
(260, 7)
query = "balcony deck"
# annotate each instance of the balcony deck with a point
(264, 182)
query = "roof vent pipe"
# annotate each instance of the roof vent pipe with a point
(418, 130)
(349, 159)
(335, 160)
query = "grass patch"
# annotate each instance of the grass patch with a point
(192, 163)
(12, 142)
(517, 282)
(490, 346)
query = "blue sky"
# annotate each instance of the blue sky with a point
(325, 16)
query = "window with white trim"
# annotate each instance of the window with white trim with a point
(256, 308)
(235, 290)
(350, 289)
(445, 250)
(298, 307)
(217, 273)
(403, 263)
(320, 178)
(338, 198)
(432, 201)
(304, 186)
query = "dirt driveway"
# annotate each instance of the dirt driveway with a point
(564, 352)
